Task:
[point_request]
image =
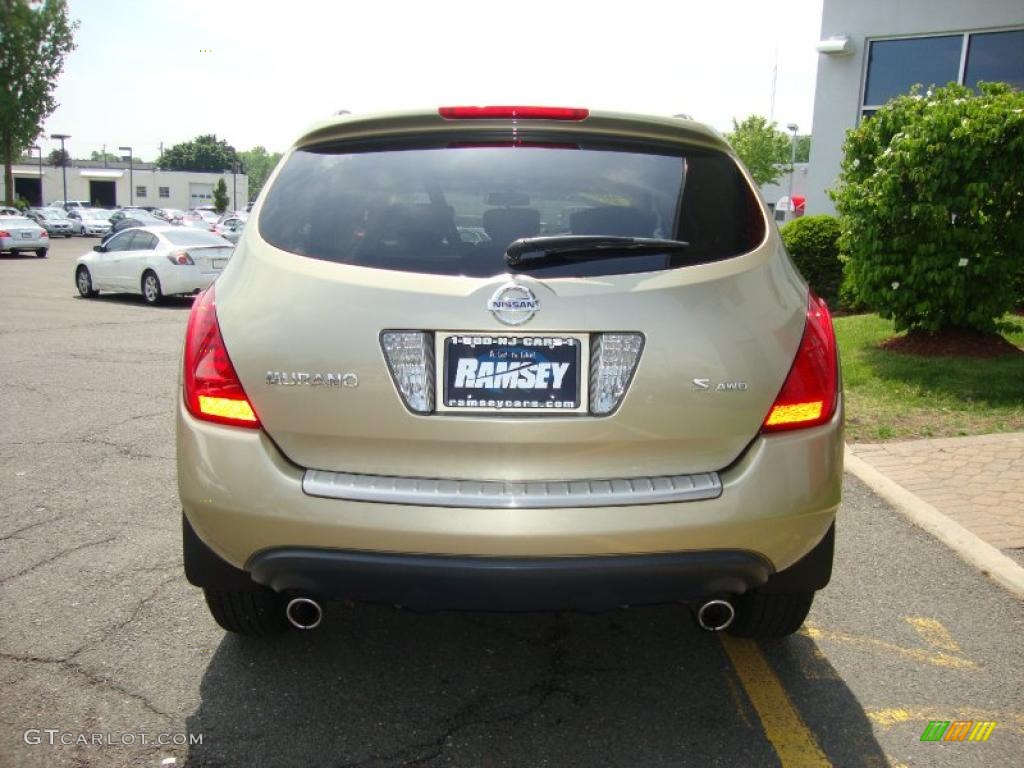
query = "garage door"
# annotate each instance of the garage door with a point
(200, 194)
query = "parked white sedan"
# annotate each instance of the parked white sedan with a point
(19, 235)
(153, 261)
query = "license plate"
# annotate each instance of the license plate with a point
(26, 235)
(518, 373)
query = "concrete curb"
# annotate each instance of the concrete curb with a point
(969, 547)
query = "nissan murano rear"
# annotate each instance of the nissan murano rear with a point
(510, 358)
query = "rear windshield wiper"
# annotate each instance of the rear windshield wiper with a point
(589, 247)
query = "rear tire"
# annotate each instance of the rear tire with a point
(764, 616)
(258, 612)
(41, 253)
(151, 292)
(84, 282)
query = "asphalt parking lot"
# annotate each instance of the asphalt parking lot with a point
(100, 633)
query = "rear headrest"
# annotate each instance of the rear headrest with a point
(503, 225)
(617, 220)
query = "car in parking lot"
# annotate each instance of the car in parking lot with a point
(131, 219)
(154, 262)
(170, 215)
(624, 394)
(208, 215)
(91, 221)
(69, 205)
(19, 234)
(54, 220)
(230, 226)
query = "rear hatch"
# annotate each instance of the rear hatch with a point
(378, 325)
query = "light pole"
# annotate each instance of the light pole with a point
(42, 200)
(63, 164)
(131, 176)
(234, 186)
(792, 169)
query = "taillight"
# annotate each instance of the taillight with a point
(808, 396)
(523, 113)
(45, 234)
(4, 233)
(180, 257)
(212, 389)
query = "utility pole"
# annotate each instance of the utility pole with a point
(42, 200)
(104, 155)
(792, 169)
(131, 176)
(63, 164)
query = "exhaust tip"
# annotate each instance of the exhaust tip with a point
(304, 613)
(715, 615)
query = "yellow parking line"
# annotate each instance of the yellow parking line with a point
(789, 736)
(933, 633)
(939, 659)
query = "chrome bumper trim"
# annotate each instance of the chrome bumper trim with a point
(475, 494)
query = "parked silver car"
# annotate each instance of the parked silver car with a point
(91, 221)
(230, 227)
(19, 234)
(54, 220)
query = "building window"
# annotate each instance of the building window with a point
(996, 57)
(140, 191)
(165, 191)
(895, 66)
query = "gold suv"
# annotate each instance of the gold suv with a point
(510, 358)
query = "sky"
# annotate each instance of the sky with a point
(258, 73)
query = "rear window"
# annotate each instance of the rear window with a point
(194, 237)
(454, 210)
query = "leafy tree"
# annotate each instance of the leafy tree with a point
(104, 157)
(932, 207)
(762, 147)
(58, 158)
(812, 242)
(258, 164)
(220, 196)
(34, 39)
(203, 153)
(803, 148)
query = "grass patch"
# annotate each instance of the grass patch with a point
(892, 396)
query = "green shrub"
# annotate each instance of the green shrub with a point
(932, 208)
(812, 242)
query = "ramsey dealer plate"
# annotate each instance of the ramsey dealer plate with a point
(537, 373)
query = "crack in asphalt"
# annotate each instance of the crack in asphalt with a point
(17, 531)
(473, 713)
(89, 439)
(56, 556)
(91, 677)
(68, 662)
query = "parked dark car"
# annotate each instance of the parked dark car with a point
(137, 219)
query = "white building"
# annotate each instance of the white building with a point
(116, 184)
(874, 50)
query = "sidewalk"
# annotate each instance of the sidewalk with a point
(976, 481)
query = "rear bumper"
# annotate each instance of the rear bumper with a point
(14, 245)
(243, 498)
(444, 582)
(185, 279)
(434, 582)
